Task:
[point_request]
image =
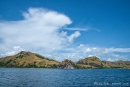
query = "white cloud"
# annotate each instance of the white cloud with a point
(63, 34)
(119, 49)
(15, 50)
(87, 50)
(80, 46)
(39, 32)
(39, 29)
(103, 52)
(78, 29)
(73, 36)
(86, 28)
(18, 48)
(109, 59)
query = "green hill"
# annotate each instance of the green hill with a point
(118, 64)
(28, 59)
(91, 62)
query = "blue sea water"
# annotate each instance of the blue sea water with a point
(38, 77)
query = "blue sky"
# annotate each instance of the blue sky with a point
(62, 29)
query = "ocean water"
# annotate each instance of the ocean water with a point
(38, 77)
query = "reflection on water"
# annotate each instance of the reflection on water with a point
(31, 77)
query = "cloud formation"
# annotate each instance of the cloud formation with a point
(38, 29)
(73, 36)
(41, 31)
(13, 51)
(79, 29)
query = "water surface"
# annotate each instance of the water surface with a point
(38, 77)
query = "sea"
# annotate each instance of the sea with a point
(39, 77)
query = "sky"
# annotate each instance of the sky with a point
(66, 29)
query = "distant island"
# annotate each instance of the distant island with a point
(32, 60)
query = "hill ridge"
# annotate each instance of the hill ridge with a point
(33, 60)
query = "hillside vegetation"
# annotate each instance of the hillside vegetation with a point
(28, 60)
(33, 60)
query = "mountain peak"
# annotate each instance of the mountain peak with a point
(25, 52)
(93, 58)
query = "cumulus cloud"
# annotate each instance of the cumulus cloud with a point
(38, 29)
(41, 31)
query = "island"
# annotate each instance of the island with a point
(33, 60)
